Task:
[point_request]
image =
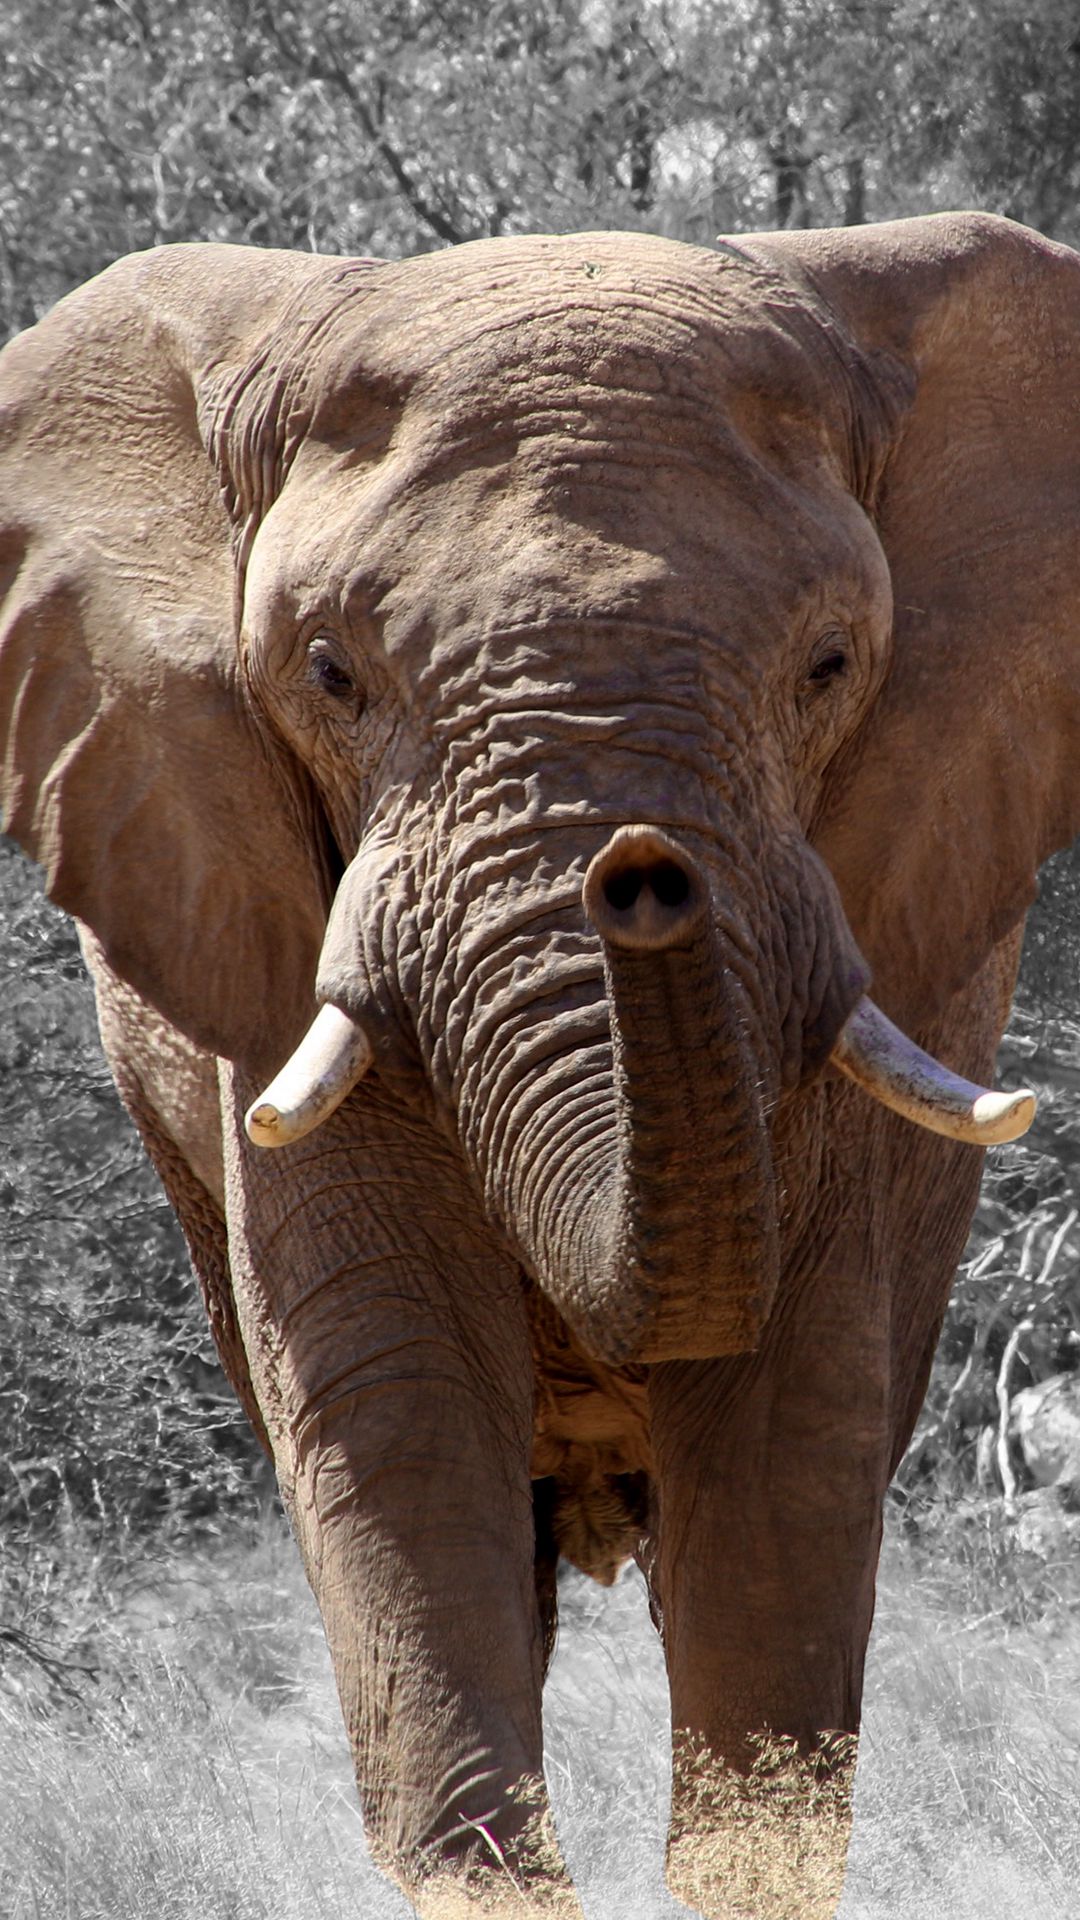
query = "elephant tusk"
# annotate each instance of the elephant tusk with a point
(882, 1060)
(333, 1055)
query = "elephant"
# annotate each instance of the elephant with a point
(549, 744)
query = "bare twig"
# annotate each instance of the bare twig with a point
(1055, 1247)
(1008, 1477)
(50, 1664)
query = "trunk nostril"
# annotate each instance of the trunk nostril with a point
(671, 884)
(643, 890)
(621, 889)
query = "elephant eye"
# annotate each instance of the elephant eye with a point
(830, 664)
(325, 670)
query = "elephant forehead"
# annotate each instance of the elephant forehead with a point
(554, 430)
(512, 329)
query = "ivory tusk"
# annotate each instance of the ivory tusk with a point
(333, 1055)
(881, 1059)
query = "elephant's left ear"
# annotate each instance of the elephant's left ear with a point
(131, 764)
(967, 773)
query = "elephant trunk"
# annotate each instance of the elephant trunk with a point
(658, 1237)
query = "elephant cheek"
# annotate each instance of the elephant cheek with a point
(825, 972)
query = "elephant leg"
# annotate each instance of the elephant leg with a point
(770, 1473)
(387, 1341)
(546, 1563)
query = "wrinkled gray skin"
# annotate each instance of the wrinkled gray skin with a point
(740, 582)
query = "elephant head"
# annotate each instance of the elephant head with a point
(582, 668)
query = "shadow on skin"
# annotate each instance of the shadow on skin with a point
(528, 1883)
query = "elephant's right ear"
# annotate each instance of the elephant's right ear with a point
(133, 768)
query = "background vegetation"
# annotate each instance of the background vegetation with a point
(393, 126)
(126, 1667)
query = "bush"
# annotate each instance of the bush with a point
(115, 1414)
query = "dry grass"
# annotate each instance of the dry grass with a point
(203, 1773)
(966, 1800)
(202, 1777)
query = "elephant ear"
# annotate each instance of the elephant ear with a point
(133, 767)
(966, 774)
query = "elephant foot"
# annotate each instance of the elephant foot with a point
(521, 1875)
(768, 1844)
